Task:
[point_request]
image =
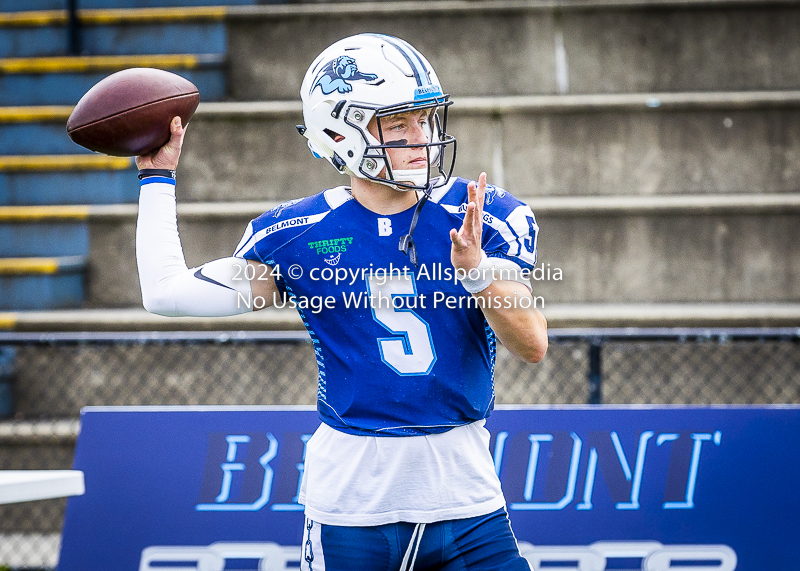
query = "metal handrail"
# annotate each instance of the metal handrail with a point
(600, 335)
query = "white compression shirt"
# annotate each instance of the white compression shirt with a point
(354, 480)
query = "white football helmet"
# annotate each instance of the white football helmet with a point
(366, 76)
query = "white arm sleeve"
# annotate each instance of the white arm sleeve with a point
(169, 288)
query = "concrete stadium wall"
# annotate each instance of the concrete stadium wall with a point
(511, 48)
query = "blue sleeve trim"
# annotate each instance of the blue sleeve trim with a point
(152, 179)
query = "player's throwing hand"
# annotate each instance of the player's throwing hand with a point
(167, 156)
(466, 251)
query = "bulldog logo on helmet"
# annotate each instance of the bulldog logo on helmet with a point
(337, 73)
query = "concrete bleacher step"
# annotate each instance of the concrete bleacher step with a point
(63, 80)
(196, 29)
(43, 255)
(65, 179)
(609, 144)
(517, 47)
(42, 283)
(36, 130)
(36, 231)
(60, 5)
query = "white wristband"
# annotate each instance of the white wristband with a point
(478, 278)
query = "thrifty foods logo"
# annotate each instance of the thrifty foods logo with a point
(332, 248)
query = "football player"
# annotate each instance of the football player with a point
(422, 271)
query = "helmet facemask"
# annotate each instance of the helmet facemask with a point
(440, 148)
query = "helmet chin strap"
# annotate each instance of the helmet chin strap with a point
(407, 245)
(417, 177)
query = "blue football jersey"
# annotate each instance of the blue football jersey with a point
(401, 350)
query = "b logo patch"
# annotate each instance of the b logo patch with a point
(384, 226)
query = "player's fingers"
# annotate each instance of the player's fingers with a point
(472, 193)
(469, 219)
(477, 194)
(177, 130)
(481, 191)
(477, 223)
(172, 149)
(455, 238)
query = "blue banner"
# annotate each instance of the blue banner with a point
(588, 488)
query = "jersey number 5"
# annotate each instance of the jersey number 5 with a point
(409, 351)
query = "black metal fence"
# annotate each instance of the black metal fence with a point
(45, 379)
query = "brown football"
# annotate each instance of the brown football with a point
(128, 113)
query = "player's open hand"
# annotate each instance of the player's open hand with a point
(167, 156)
(466, 251)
